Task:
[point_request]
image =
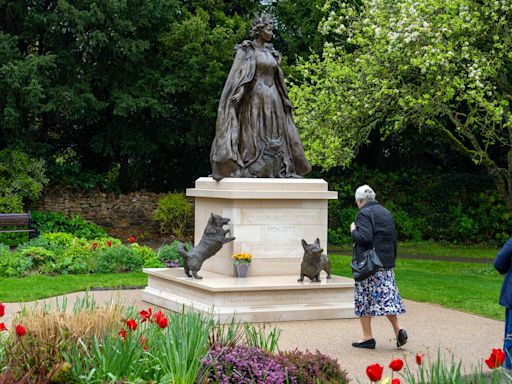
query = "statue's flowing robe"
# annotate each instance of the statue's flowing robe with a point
(226, 155)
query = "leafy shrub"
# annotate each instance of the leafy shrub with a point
(118, 259)
(173, 213)
(77, 258)
(40, 241)
(426, 204)
(59, 239)
(149, 257)
(11, 265)
(38, 257)
(168, 254)
(70, 174)
(75, 225)
(311, 368)
(243, 364)
(408, 228)
(338, 232)
(487, 219)
(22, 178)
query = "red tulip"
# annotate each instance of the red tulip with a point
(132, 324)
(122, 334)
(419, 358)
(146, 315)
(162, 322)
(396, 365)
(109, 243)
(374, 372)
(2, 327)
(395, 381)
(158, 316)
(20, 330)
(496, 359)
(132, 239)
(2, 309)
(94, 245)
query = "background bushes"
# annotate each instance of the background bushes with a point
(456, 207)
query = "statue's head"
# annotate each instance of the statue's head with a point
(258, 25)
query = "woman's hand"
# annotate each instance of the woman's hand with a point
(352, 227)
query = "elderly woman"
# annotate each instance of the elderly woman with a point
(503, 264)
(378, 294)
(255, 133)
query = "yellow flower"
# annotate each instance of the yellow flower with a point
(386, 380)
(242, 258)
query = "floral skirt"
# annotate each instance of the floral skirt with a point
(378, 295)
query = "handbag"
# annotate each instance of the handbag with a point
(369, 262)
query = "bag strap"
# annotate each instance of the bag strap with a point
(373, 234)
(372, 219)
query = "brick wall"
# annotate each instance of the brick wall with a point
(119, 214)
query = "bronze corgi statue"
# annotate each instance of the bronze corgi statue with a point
(314, 262)
(214, 237)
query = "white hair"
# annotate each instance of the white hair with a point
(365, 193)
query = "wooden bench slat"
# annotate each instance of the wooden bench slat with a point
(9, 219)
(17, 220)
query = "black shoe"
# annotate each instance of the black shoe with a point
(368, 344)
(401, 339)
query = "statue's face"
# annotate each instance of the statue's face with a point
(266, 33)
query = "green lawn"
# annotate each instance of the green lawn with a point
(37, 287)
(428, 248)
(468, 287)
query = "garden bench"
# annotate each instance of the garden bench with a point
(18, 222)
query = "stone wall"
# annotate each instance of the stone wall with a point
(121, 215)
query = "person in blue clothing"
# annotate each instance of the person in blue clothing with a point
(502, 263)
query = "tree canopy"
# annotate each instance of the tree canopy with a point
(439, 66)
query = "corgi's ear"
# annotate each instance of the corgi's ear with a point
(304, 244)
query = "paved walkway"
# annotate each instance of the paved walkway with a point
(469, 338)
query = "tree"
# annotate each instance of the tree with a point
(124, 89)
(443, 66)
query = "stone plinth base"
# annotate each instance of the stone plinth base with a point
(268, 217)
(251, 299)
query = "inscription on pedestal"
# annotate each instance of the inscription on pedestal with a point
(281, 216)
(314, 296)
(265, 251)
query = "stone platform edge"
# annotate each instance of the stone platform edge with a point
(216, 282)
(247, 188)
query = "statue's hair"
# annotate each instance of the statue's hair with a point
(258, 24)
(365, 193)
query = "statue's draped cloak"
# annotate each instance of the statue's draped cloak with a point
(226, 159)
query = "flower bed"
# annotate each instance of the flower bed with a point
(120, 345)
(440, 370)
(62, 253)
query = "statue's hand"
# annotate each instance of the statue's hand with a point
(235, 99)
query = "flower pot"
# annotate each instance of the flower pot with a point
(241, 269)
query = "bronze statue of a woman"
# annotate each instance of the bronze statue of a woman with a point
(255, 132)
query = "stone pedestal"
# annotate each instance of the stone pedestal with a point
(251, 299)
(269, 217)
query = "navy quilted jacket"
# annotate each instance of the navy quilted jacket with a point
(385, 233)
(502, 263)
